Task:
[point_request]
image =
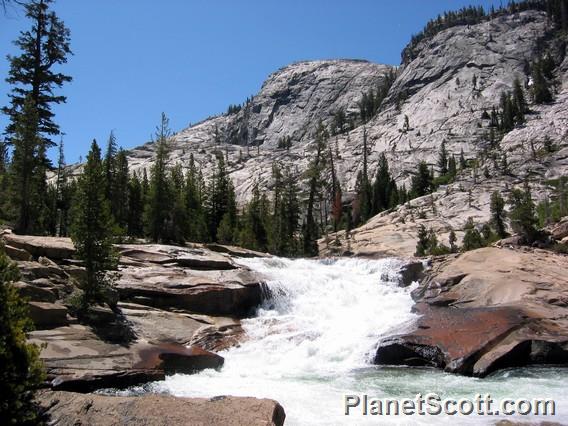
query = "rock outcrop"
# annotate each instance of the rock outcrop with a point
(176, 304)
(70, 409)
(485, 310)
(455, 76)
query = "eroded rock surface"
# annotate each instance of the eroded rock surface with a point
(488, 309)
(70, 409)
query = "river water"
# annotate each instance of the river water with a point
(312, 342)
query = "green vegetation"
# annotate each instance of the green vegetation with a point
(21, 371)
(91, 231)
(33, 80)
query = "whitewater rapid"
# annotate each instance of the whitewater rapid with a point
(313, 340)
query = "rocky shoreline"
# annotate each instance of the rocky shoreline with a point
(479, 311)
(486, 310)
(178, 306)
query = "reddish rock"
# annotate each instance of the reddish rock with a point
(485, 310)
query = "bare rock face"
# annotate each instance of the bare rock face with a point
(488, 309)
(76, 359)
(50, 247)
(194, 280)
(290, 104)
(67, 408)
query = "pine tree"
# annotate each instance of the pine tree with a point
(453, 239)
(177, 219)
(63, 196)
(119, 200)
(31, 124)
(421, 181)
(135, 207)
(472, 239)
(159, 200)
(423, 242)
(452, 168)
(310, 229)
(220, 200)
(463, 163)
(498, 214)
(20, 368)
(522, 214)
(540, 88)
(197, 224)
(443, 160)
(383, 187)
(91, 230)
(519, 101)
(363, 187)
(27, 172)
(109, 166)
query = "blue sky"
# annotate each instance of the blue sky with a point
(134, 59)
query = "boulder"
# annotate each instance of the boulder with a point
(17, 253)
(232, 292)
(193, 258)
(76, 359)
(54, 248)
(70, 409)
(485, 310)
(47, 315)
(35, 293)
(411, 272)
(560, 230)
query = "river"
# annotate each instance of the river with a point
(313, 340)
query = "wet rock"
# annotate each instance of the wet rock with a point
(485, 310)
(411, 272)
(70, 409)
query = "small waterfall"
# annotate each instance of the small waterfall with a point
(312, 340)
(322, 320)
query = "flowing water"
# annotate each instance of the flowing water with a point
(313, 340)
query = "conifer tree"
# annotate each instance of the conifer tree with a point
(109, 166)
(177, 221)
(540, 88)
(135, 207)
(423, 242)
(463, 163)
(20, 368)
(421, 181)
(522, 214)
(498, 214)
(31, 124)
(519, 101)
(91, 230)
(159, 200)
(221, 201)
(443, 159)
(27, 172)
(310, 228)
(472, 239)
(63, 196)
(363, 187)
(119, 200)
(383, 187)
(452, 168)
(197, 225)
